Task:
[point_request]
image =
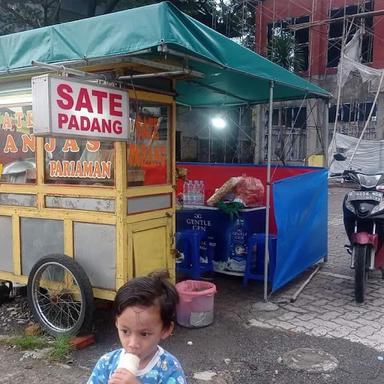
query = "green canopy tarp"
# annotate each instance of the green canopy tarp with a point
(232, 74)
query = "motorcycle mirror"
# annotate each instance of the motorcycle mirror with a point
(339, 157)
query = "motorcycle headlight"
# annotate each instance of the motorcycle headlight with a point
(378, 208)
(350, 207)
(368, 181)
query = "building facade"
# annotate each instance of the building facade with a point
(320, 28)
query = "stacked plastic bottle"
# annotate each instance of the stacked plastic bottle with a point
(193, 192)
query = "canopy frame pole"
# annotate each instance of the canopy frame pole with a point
(326, 133)
(163, 48)
(367, 121)
(70, 71)
(339, 84)
(268, 197)
(338, 81)
(162, 74)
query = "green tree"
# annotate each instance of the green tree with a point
(232, 18)
(283, 50)
(18, 15)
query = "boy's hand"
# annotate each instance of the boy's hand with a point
(123, 376)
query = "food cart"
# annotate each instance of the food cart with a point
(82, 214)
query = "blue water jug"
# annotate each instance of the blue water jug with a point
(237, 239)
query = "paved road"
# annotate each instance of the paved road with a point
(246, 345)
(326, 307)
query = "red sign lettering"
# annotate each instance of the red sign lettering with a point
(63, 91)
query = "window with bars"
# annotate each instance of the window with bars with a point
(301, 36)
(293, 117)
(352, 112)
(335, 32)
(296, 117)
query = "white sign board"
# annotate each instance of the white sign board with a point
(68, 107)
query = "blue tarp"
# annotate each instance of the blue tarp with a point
(301, 214)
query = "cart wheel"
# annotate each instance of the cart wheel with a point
(5, 291)
(60, 295)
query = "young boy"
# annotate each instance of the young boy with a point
(145, 312)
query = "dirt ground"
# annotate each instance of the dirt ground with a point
(18, 367)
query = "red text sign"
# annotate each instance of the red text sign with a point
(67, 107)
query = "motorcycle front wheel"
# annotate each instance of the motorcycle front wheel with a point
(361, 253)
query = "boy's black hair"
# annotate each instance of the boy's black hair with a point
(154, 289)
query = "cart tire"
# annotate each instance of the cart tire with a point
(5, 291)
(60, 296)
(360, 271)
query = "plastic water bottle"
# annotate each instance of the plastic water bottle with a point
(197, 192)
(190, 193)
(185, 193)
(194, 193)
(202, 192)
(196, 196)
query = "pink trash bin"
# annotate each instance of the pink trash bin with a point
(196, 304)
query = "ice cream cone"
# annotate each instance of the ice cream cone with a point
(129, 361)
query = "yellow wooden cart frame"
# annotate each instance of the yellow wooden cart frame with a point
(126, 225)
(143, 239)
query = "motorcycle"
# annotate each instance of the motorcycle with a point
(363, 213)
